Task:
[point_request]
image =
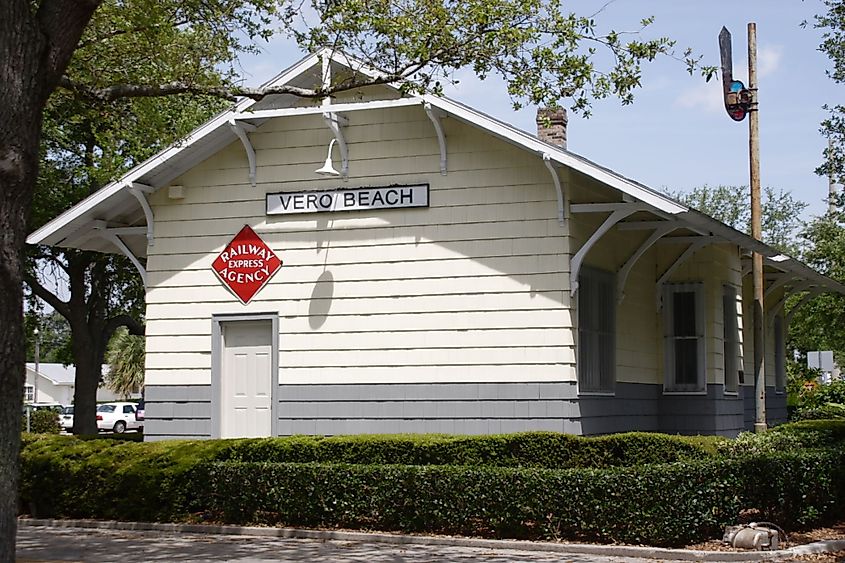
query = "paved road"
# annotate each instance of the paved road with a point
(45, 544)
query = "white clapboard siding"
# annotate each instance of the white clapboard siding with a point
(372, 254)
(525, 231)
(406, 321)
(428, 374)
(535, 283)
(496, 265)
(472, 288)
(517, 356)
(406, 340)
(410, 374)
(501, 195)
(424, 304)
(453, 192)
(410, 217)
(177, 376)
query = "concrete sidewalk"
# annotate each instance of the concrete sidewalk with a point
(221, 543)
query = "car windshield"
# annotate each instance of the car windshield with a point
(105, 408)
(68, 410)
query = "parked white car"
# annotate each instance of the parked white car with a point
(117, 417)
(66, 419)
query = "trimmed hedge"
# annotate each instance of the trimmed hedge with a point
(528, 449)
(660, 504)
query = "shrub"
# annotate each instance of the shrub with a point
(42, 421)
(815, 433)
(529, 449)
(749, 443)
(661, 504)
(826, 411)
(669, 504)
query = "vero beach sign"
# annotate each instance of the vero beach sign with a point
(353, 199)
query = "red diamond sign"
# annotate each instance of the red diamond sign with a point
(246, 264)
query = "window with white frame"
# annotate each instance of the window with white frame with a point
(730, 339)
(683, 319)
(780, 354)
(596, 331)
(28, 393)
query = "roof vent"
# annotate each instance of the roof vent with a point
(551, 126)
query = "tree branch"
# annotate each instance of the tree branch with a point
(45, 295)
(141, 28)
(129, 322)
(62, 23)
(231, 93)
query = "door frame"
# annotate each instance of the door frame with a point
(217, 365)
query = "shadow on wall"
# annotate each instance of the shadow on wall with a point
(321, 300)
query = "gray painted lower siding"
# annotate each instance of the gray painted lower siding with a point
(469, 408)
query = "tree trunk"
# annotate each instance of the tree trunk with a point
(36, 44)
(88, 352)
(20, 129)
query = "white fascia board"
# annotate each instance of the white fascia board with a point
(519, 137)
(45, 234)
(334, 108)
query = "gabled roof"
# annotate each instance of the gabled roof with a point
(116, 206)
(58, 374)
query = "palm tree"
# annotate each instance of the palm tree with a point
(125, 357)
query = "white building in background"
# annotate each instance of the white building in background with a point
(54, 383)
(441, 271)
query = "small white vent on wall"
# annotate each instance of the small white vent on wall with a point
(176, 192)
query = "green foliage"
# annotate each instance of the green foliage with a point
(781, 213)
(42, 421)
(54, 335)
(815, 433)
(530, 449)
(543, 52)
(821, 412)
(126, 363)
(833, 45)
(660, 504)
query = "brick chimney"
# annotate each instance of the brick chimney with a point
(551, 126)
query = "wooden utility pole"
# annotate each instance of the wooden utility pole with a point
(756, 233)
(739, 102)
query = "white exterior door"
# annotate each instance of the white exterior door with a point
(246, 379)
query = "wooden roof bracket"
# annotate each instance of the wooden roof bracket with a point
(618, 211)
(241, 128)
(140, 191)
(781, 280)
(809, 296)
(561, 216)
(335, 122)
(112, 236)
(622, 276)
(436, 115)
(685, 255)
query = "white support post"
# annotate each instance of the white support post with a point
(240, 129)
(435, 115)
(547, 160)
(139, 192)
(335, 122)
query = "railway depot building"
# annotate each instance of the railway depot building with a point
(380, 263)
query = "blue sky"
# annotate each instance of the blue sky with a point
(677, 135)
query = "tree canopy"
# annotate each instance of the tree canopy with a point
(107, 51)
(833, 127)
